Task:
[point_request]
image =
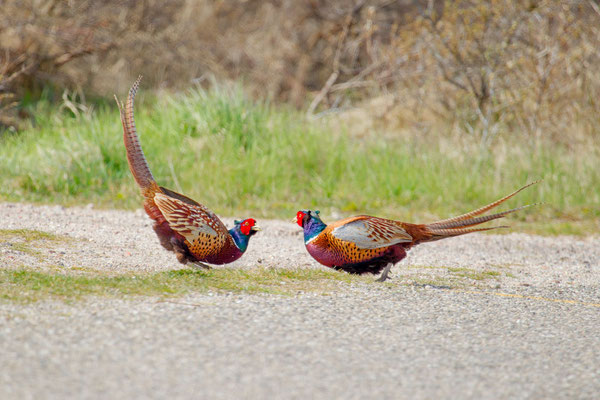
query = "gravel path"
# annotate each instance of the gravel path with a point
(531, 332)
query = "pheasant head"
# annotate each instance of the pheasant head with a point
(242, 231)
(311, 223)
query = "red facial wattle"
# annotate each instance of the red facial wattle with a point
(247, 225)
(299, 218)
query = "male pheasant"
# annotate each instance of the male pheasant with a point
(182, 225)
(365, 244)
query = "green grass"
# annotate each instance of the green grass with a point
(242, 158)
(457, 278)
(29, 241)
(474, 274)
(25, 285)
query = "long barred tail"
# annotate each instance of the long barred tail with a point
(135, 155)
(461, 225)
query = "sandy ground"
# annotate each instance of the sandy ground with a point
(532, 332)
(123, 241)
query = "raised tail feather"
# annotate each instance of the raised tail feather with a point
(461, 225)
(135, 155)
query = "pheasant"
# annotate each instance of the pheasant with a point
(365, 244)
(189, 229)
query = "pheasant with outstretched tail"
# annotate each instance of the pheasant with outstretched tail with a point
(365, 244)
(182, 225)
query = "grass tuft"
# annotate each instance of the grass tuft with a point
(25, 285)
(29, 241)
(474, 274)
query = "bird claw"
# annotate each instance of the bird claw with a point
(199, 265)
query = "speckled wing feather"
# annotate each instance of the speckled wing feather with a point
(371, 232)
(189, 220)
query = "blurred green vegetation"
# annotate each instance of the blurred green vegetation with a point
(245, 158)
(488, 68)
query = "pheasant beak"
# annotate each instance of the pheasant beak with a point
(255, 228)
(294, 220)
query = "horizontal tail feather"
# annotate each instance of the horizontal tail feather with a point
(481, 210)
(461, 225)
(444, 233)
(476, 221)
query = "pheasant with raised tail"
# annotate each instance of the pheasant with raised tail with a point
(189, 229)
(365, 244)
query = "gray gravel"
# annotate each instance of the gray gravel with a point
(532, 332)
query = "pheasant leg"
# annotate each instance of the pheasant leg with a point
(384, 274)
(199, 265)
